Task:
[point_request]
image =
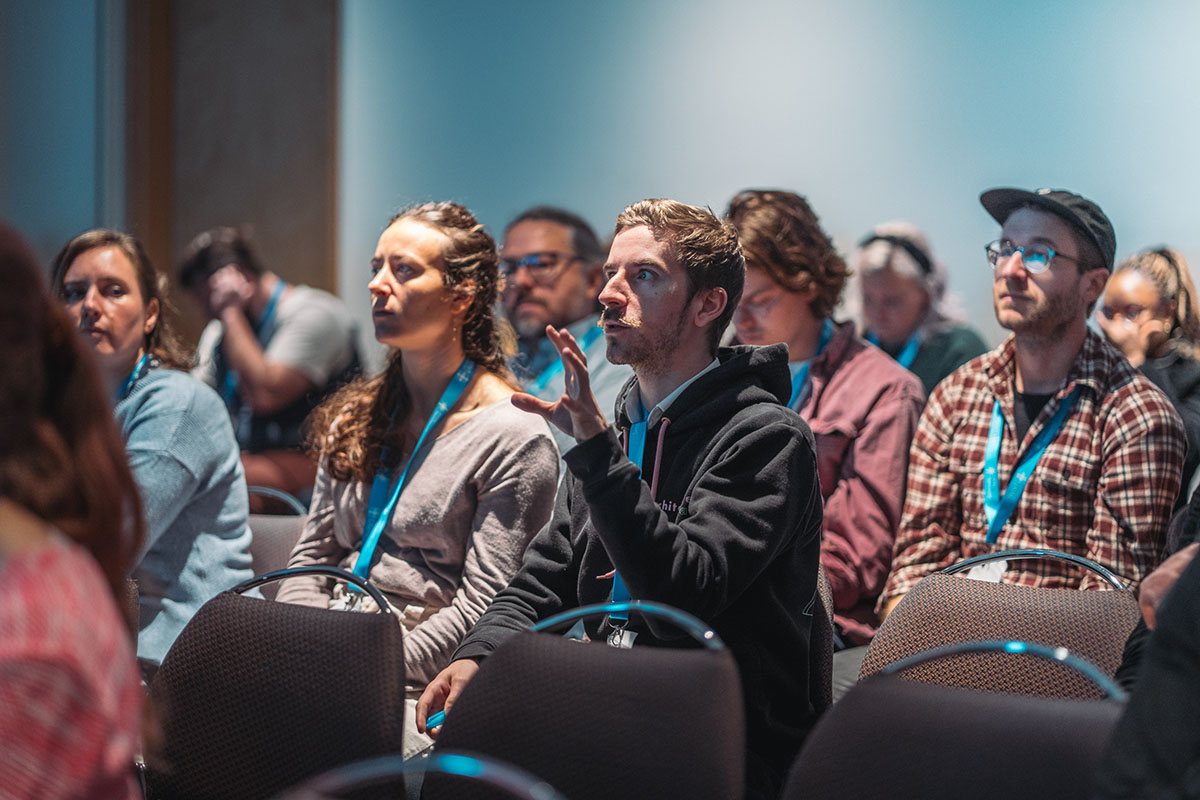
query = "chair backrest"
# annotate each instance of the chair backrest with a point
(272, 539)
(271, 498)
(946, 609)
(905, 740)
(820, 645)
(389, 772)
(255, 696)
(600, 722)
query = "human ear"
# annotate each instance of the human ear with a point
(709, 306)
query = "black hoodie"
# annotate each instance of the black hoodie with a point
(732, 535)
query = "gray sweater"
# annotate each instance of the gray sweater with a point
(186, 464)
(456, 537)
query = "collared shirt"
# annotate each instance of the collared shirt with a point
(633, 400)
(1103, 489)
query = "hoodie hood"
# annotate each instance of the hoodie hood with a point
(746, 376)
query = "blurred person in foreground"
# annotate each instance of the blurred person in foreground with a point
(273, 351)
(906, 308)
(177, 434)
(70, 699)
(1150, 313)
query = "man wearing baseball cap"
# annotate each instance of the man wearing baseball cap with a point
(1051, 440)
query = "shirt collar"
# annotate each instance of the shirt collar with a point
(633, 400)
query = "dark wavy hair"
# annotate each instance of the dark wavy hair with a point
(61, 456)
(781, 235)
(351, 428)
(162, 342)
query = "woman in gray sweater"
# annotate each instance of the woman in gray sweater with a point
(430, 483)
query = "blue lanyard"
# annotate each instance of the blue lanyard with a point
(800, 382)
(637, 451)
(556, 367)
(908, 354)
(263, 332)
(384, 493)
(999, 509)
(127, 384)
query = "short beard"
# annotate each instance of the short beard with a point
(652, 357)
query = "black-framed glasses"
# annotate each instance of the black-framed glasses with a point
(542, 267)
(1035, 257)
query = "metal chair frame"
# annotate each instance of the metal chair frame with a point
(695, 627)
(1035, 553)
(295, 506)
(318, 569)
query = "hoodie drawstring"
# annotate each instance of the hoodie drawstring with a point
(658, 449)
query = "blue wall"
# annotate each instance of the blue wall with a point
(873, 109)
(49, 141)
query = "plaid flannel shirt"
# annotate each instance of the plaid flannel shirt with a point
(1103, 488)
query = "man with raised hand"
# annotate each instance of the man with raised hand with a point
(703, 496)
(1052, 440)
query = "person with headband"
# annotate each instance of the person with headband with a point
(1052, 440)
(176, 431)
(906, 309)
(70, 698)
(861, 405)
(1150, 313)
(430, 484)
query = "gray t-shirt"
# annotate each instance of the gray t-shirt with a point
(314, 334)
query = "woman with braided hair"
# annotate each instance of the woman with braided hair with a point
(430, 483)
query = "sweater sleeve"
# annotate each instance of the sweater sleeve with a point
(513, 505)
(317, 545)
(862, 513)
(759, 471)
(544, 585)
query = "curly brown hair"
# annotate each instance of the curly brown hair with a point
(350, 430)
(162, 342)
(781, 234)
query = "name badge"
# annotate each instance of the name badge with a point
(991, 572)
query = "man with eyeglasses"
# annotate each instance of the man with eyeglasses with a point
(551, 262)
(1051, 440)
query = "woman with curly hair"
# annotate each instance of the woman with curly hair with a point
(430, 482)
(1150, 313)
(177, 434)
(70, 699)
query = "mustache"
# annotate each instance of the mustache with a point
(613, 314)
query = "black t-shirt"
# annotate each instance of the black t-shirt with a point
(1026, 408)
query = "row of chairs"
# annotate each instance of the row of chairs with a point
(257, 696)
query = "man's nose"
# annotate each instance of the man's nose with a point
(613, 293)
(1014, 267)
(376, 285)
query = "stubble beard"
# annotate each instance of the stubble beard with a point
(1048, 322)
(650, 355)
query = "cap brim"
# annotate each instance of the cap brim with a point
(1002, 202)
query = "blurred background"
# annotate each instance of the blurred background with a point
(312, 121)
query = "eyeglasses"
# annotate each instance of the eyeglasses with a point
(1035, 257)
(1130, 311)
(543, 268)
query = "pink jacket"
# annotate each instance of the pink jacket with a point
(863, 409)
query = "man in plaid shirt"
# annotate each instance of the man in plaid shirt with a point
(1051, 440)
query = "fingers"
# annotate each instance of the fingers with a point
(534, 405)
(1159, 583)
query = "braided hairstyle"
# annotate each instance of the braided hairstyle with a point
(1168, 271)
(352, 428)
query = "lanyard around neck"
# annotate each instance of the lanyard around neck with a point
(1000, 508)
(637, 451)
(800, 382)
(907, 355)
(555, 368)
(127, 384)
(385, 493)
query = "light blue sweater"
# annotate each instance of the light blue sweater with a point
(186, 464)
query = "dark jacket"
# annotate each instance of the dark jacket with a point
(732, 536)
(1179, 378)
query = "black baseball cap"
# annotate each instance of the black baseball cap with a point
(1082, 213)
